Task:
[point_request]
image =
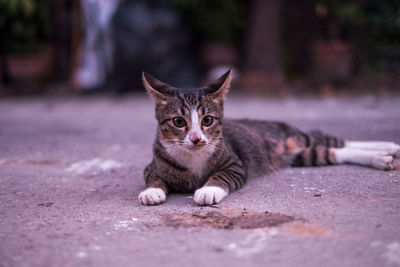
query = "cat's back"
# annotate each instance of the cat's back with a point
(255, 142)
(254, 129)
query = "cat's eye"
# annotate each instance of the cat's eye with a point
(207, 121)
(179, 122)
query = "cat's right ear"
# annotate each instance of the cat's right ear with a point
(157, 90)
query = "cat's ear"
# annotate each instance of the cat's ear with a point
(220, 88)
(158, 91)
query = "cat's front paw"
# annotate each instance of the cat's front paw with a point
(209, 195)
(152, 196)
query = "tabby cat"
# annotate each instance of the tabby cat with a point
(198, 150)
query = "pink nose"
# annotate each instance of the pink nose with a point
(194, 138)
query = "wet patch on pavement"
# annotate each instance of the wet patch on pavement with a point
(302, 228)
(228, 219)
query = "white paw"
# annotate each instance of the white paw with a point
(152, 196)
(209, 195)
(388, 147)
(394, 150)
(383, 162)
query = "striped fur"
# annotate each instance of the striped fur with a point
(191, 154)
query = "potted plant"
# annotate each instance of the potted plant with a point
(333, 52)
(25, 27)
(377, 34)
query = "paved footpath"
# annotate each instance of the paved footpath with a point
(71, 171)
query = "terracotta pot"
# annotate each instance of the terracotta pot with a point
(332, 61)
(31, 66)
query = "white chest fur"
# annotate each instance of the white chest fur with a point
(195, 161)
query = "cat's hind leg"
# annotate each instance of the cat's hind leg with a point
(389, 147)
(377, 159)
(320, 155)
(318, 149)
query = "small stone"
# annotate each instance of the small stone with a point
(49, 204)
(219, 249)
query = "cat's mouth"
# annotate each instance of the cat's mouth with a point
(193, 147)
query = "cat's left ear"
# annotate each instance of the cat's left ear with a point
(159, 91)
(220, 88)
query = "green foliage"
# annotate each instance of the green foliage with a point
(374, 26)
(350, 14)
(382, 21)
(24, 24)
(216, 20)
(377, 21)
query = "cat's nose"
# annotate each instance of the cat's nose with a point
(194, 138)
(196, 141)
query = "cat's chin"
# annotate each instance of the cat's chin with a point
(193, 148)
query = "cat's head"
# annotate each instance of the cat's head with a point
(189, 118)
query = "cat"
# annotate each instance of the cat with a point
(198, 150)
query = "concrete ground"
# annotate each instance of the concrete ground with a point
(71, 171)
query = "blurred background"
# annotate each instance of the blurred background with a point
(288, 47)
